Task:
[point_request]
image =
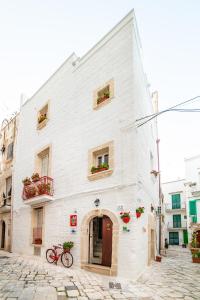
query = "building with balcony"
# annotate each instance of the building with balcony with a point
(78, 132)
(175, 212)
(192, 187)
(8, 134)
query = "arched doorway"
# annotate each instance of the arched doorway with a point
(3, 233)
(99, 242)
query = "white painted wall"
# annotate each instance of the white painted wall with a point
(74, 128)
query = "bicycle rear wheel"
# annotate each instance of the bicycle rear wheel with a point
(50, 255)
(67, 259)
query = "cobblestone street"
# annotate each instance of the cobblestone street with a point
(26, 278)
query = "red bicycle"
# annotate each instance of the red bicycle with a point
(52, 255)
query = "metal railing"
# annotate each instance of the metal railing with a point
(43, 186)
(176, 225)
(169, 206)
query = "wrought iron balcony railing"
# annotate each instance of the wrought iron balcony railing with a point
(41, 187)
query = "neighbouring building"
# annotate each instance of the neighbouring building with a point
(8, 134)
(192, 186)
(78, 132)
(175, 212)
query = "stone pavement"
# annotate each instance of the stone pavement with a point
(29, 278)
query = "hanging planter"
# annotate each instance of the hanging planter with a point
(139, 211)
(125, 216)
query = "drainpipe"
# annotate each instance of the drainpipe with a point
(155, 108)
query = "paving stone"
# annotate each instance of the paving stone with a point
(73, 293)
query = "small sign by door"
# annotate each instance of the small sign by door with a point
(73, 220)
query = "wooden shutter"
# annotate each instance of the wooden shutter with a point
(193, 210)
(176, 201)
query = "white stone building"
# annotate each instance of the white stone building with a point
(175, 212)
(82, 117)
(8, 134)
(192, 186)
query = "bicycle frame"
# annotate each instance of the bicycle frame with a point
(57, 255)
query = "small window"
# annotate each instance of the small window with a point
(104, 94)
(10, 151)
(101, 161)
(42, 117)
(43, 162)
(8, 187)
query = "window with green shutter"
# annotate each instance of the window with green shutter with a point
(177, 221)
(176, 201)
(193, 210)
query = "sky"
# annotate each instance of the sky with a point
(37, 36)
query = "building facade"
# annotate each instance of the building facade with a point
(8, 135)
(192, 186)
(78, 132)
(175, 212)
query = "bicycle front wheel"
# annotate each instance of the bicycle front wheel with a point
(67, 259)
(50, 255)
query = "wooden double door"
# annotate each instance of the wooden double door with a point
(100, 241)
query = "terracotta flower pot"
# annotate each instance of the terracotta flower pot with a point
(196, 260)
(194, 250)
(138, 214)
(158, 258)
(126, 219)
(66, 250)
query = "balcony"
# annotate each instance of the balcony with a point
(39, 191)
(37, 235)
(169, 208)
(5, 205)
(177, 226)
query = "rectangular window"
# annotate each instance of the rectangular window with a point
(193, 211)
(176, 201)
(10, 151)
(42, 117)
(43, 162)
(101, 161)
(45, 165)
(8, 187)
(103, 94)
(176, 221)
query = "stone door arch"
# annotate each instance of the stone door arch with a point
(84, 255)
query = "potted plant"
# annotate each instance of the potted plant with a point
(100, 168)
(44, 188)
(158, 258)
(196, 257)
(67, 246)
(26, 181)
(41, 118)
(139, 211)
(30, 191)
(35, 177)
(125, 216)
(195, 244)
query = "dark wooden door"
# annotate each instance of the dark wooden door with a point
(3, 233)
(106, 242)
